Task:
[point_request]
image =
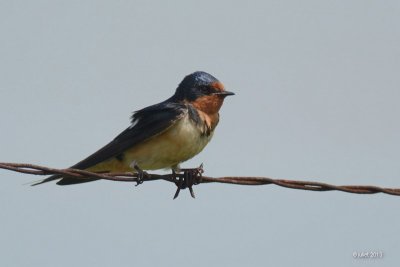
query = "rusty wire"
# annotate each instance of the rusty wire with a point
(133, 177)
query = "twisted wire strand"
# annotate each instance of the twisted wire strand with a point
(237, 180)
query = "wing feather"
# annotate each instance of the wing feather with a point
(146, 123)
(149, 122)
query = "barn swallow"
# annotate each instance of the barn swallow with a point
(163, 135)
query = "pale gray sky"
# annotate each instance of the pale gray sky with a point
(317, 98)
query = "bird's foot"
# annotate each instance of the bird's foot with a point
(189, 178)
(141, 174)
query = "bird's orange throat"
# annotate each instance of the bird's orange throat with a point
(209, 104)
(207, 108)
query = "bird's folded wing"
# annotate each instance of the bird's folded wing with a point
(146, 123)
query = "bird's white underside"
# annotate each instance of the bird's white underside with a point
(180, 142)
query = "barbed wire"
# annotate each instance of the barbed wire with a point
(189, 177)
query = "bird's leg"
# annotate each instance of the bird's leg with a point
(189, 178)
(140, 173)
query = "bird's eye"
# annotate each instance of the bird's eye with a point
(206, 90)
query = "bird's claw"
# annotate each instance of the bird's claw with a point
(189, 178)
(140, 175)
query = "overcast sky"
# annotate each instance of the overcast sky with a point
(317, 98)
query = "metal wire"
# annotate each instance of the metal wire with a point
(133, 177)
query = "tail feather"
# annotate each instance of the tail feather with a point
(70, 180)
(64, 180)
(49, 179)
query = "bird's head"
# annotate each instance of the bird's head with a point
(203, 91)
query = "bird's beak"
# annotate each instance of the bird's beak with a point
(224, 93)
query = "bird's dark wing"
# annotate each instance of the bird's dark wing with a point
(146, 123)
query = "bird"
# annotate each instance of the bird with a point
(160, 136)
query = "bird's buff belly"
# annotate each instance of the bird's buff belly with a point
(179, 143)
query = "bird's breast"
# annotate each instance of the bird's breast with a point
(180, 142)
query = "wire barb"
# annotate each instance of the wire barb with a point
(190, 177)
(196, 177)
